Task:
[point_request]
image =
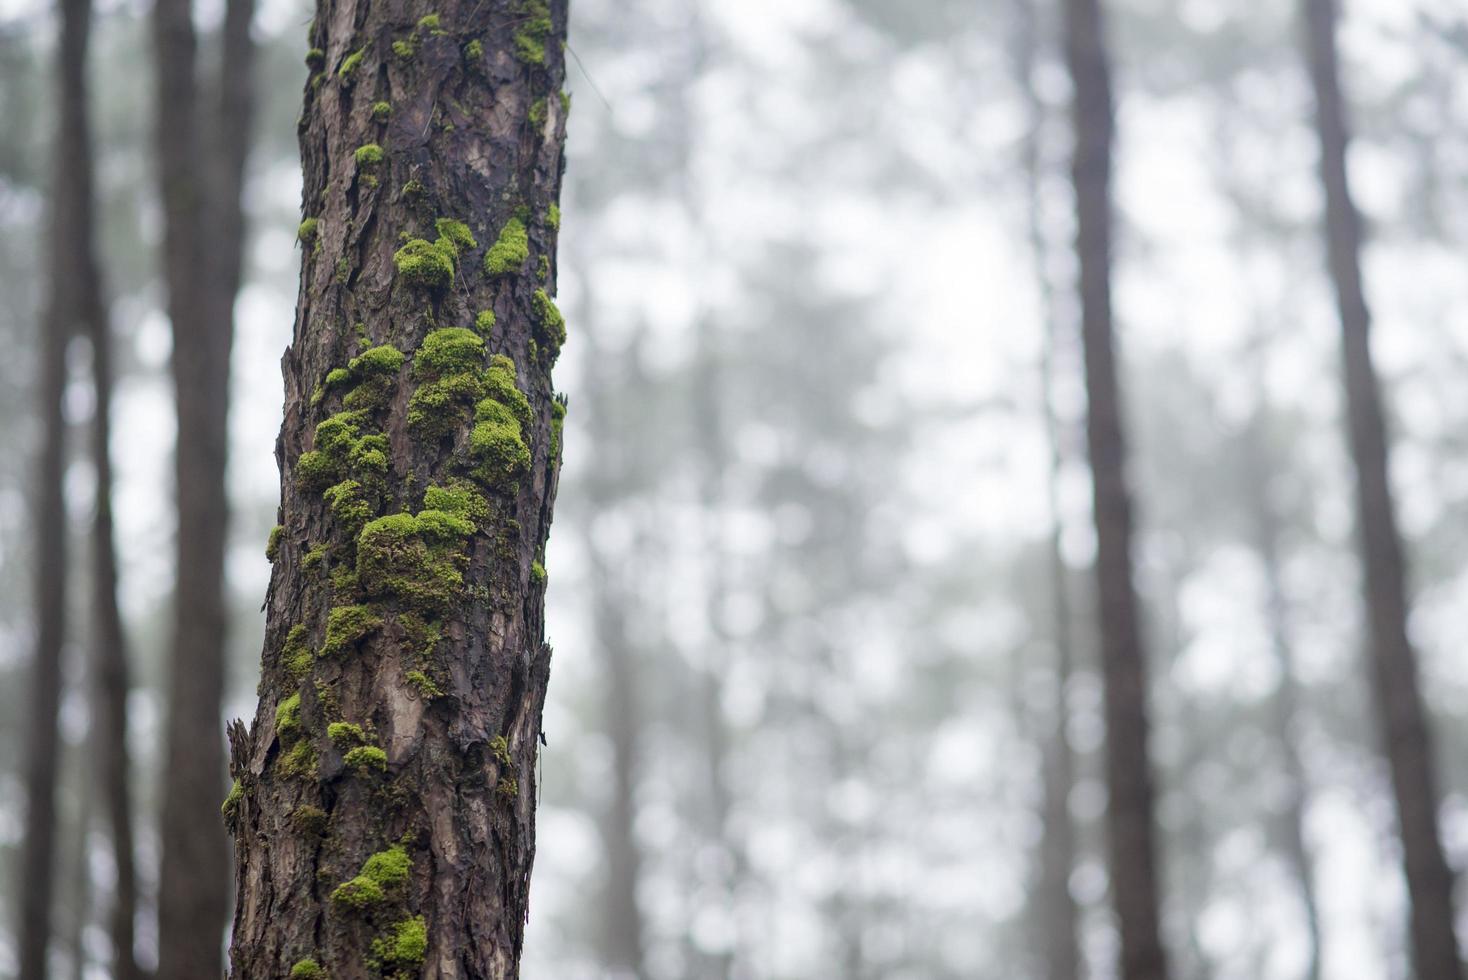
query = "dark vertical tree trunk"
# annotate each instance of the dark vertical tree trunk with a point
(384, 807)
(1130, 826)
(202, 171)
(1402, 717)
(70, 261)
(1058, 915)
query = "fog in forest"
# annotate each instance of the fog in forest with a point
(840, 617)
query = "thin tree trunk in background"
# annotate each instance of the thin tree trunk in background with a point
(384, 808)
(201, 172)
(1402, 716)
(1059, 915)
(79, 898)
(1130, 824)
(70, 219)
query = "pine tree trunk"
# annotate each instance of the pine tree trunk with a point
(1401, 714)
(1130, 826)
(192, 897)
(384, 808)
(71, 264)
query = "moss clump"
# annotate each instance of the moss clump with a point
(307, 969)
(499, 385)
(456, 232)
(542, 268)
(404, 49)
(424, 263)
(346, 626)
(474, 50)
(381, 111)
(310, 820)
(368, 155)
(359, 893)
(535, 30)
(345, 735)
(381, 873)
(553, 217)
(508, 787)
(313, 557)
(423, 684)
(315, 58)
(413, 188)
(415, 559)
(272, 543)
(499, 747)
(537, 112)
(537, 573)
(315, 471)
(300, 761)
(458, 499)
(404, 946)
(448, 364)
(288, 719)
(296, 655)
(337, 376)
(549, 325)
(306, 233)
(508, 254)
(347, 503)
(232, 801)
(497, 443)
(451, 350)
(365, 758)
(351, 62)
(429, 22)
(558, 424)
(384, 359)
(484, 323)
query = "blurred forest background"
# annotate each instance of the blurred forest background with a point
(826, 699)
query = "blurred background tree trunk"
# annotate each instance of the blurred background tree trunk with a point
(1402, 716)
(1130, 821)
(200, 173)
(72, 276)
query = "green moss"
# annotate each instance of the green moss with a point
(232, 801)
(347, 503)
(565, 104)
(307, 232)
(389, 868)
(450, 350)
(346, 626)
(350, 64)
(423, 684)
(272, 544)
(365, 758)
(337, 376)
(300, 761)
(499, 385)
(436, 407)
(509, 252)
(315, 58)
(474, 50)
(537, 573)
(542, 268)
(429, 22)
(288, 718)
(307, 969)
(460, 500)
(343, 270)
(415, 559)
(456, 232)
(484, 323)
(296, 655)
(311, 821)
(413, 188)
(335, 435)
(508, 787)
(499, 747)
(405, 945)
(345, 735)
(373, 393)
(358, 893)
(313, 557)
(404, 49)
(537, 112)
(368, 155)
(553, 217)
(498, 445)
(381, 111)
(535, 30)
(424, 263)
(315, 471)
(549, 324)
(383, 359)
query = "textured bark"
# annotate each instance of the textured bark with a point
(1130, 826)
(72, 267)
(1401, 715)
(202, 172)
(386, 784)
(1058, 916)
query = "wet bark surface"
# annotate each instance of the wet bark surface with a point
(383, 813)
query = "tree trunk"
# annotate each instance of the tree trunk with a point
(71, 265)
(1058, 914)
(1130, 826)
(201, 181)
(1401, 715)
(384, 808)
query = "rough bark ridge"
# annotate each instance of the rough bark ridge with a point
(71, 265)
(1402, 717)
(384, 804)
(1130, 828)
